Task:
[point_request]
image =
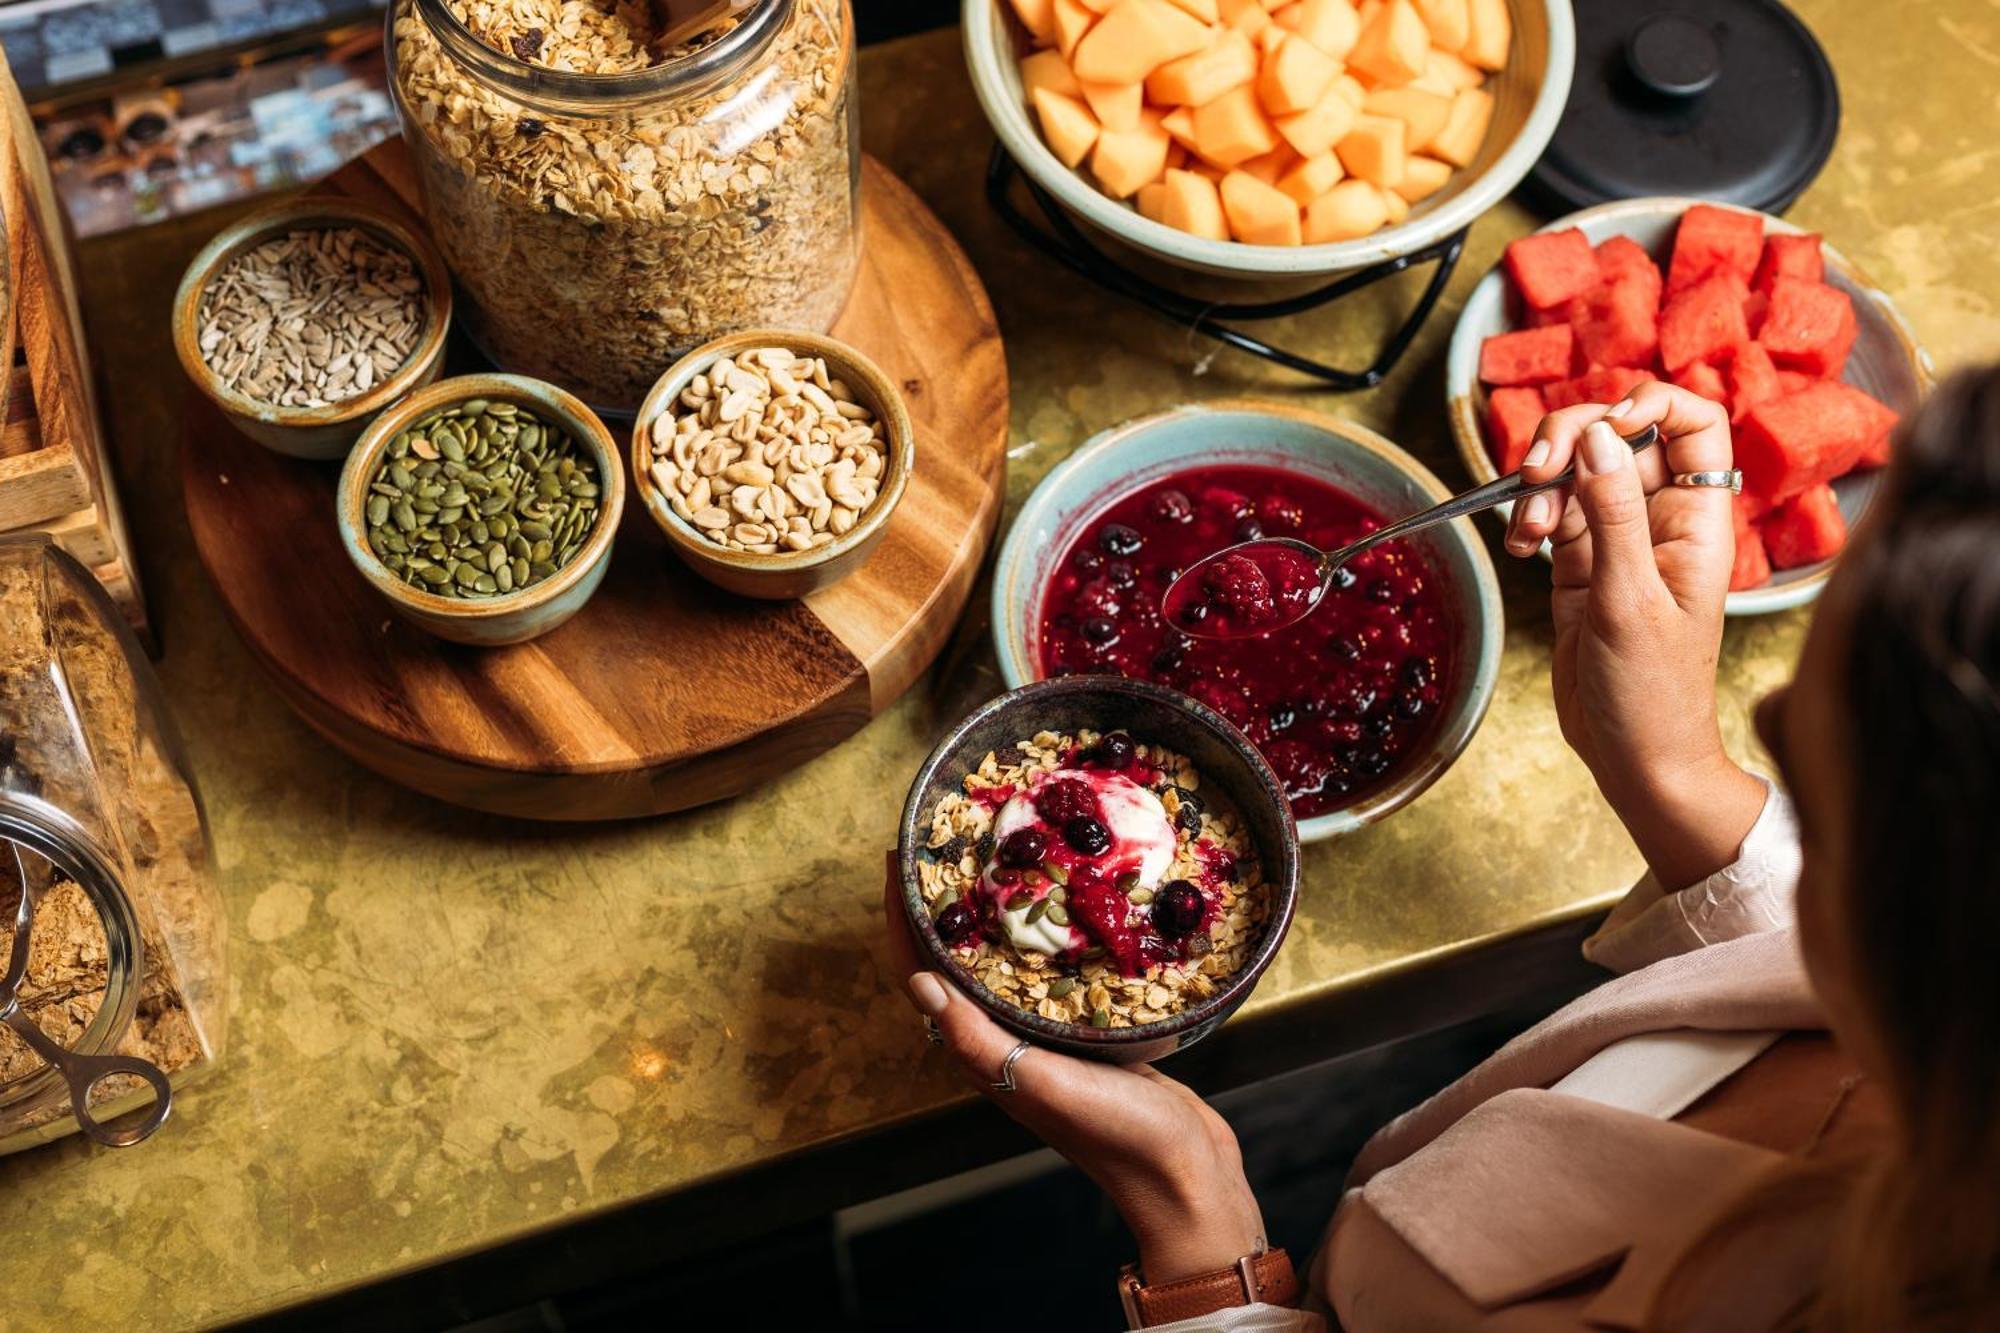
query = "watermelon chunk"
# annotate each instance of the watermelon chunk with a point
(1704, 322)
(1791, 381)
(1713, 240)
(1876, 452)
(1512, 413)
(1805, 530)
(1752, 380)
(1528, 356)
(1550, 269)
(1789, 445)
(1541, 319)
(1810, 327)
(1704, 381)
(1790, 257)
(1599, 384)
(1622, 259)
(1752, 568)
(1617, 323)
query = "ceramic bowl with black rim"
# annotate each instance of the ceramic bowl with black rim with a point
(1886, 362)
(1151, 715)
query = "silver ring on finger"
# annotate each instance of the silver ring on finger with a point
(1007, 1083)
(931, 1032)
(1730, 480)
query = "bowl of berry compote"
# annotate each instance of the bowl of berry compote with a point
(1360, 706)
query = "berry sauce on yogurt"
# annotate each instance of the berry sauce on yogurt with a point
(1337, 701)
(1079, 863)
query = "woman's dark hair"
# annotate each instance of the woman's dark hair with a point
(1922, 899)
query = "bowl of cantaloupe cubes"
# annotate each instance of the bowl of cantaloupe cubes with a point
(1814, 363)
(1273, 138)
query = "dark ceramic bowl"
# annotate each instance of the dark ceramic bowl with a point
(1155, 715)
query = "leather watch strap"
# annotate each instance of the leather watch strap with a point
(1267, 1278)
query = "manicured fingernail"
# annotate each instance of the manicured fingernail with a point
(928, 992)
(1618, 409)
(1538, 454)
(1536, 512)
(1603, 451)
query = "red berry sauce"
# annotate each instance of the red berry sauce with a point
(1337, 701)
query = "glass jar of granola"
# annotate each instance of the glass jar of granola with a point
(607, 204)
(104, 857)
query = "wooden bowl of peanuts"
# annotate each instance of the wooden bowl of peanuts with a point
(772, 460)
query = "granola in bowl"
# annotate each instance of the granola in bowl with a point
(1089, 879)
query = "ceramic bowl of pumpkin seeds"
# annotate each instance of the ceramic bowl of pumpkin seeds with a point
(305, 319)
(483, 508)
(772, 460)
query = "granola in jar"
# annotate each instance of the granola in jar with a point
(1087, 879)
(605, 205)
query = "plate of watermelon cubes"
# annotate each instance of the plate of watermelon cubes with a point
(1814, 363)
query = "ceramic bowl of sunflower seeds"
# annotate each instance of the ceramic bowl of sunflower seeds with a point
(307, 318)
(483, 507)
(772, 460)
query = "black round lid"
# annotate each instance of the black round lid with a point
(1729, 100)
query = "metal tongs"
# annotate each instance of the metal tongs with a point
(80, 1073)
(678, 20)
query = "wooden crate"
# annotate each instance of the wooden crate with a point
(55, 476)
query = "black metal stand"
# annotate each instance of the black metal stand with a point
(1065, 242)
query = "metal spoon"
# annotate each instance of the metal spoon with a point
(1298, 574)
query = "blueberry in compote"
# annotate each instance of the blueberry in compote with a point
(1177, 909)
(956, 922)
(1087, 562)
(1098, 629)
(1121, 574)
(1171, 506)
(1087, 835)
(1249, 530)
(1024, 848)
(1114, 749)
(1117, 539)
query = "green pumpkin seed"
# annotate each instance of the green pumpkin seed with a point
(378, 510)
(472, 407)
(1057, 913)
(1100, 1017)
(1018, 899)
(1140, 897)
(1038, 911)
(1061, 986)
(1055, 872)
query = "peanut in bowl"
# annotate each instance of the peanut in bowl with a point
(772, 460)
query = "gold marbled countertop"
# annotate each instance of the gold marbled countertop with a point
(451, 1030)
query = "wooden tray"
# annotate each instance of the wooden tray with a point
(663, 692)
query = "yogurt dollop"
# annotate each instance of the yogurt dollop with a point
(1141, 843)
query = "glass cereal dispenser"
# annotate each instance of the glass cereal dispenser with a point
(111, 929)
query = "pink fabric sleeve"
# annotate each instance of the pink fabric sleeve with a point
(1752, 894)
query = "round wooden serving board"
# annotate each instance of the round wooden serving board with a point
(663, 692)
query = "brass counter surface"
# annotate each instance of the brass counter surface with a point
(450, 1031)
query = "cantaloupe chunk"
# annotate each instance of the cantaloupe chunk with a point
(1294, 76)
(1397, 207)
(1194, 205)
(1047, 69)
(1179, 125)
(1350, 210)
(1373, 150)
(1366, 10)
(1116, 105)
(1067, 124)
(1350, 87)
(1448, 21)
(1458, 142)
(1246, 16)
(1134, 38)
(1452, 70)
(1268, 167)
(1206, 75)
(1268, 42)
(1258, 214)
(1331, 25)
(1073, 19)
(1177, 155)
(1039, 18)
(1151, 201)
(1316, 131)
(1233, 128)
(1125, 161)
(1422, 177)
(1205, 10)
(1393, 46)
(1423, 113)
(1311, 177)
(1492, 33)
(1275, 5)
(1208, 171)
(1096, 6)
